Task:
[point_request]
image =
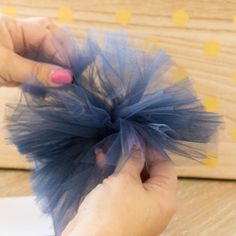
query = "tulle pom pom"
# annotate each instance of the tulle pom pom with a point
(120, 97)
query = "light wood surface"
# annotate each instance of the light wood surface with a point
(205, 207)
(200, 35)
(14, 183)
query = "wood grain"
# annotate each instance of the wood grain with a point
(152, 19)
(205, 207)
(14, 183)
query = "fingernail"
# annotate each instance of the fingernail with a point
(136, 147)
(98, 151)
(61, 76)
(136, 151)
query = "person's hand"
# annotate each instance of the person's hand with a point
(123, 205)
(26, 49)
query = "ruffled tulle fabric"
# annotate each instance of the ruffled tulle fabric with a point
(121, 96)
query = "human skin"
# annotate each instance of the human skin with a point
(25, 48)
(124, 205)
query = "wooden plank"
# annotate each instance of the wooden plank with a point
(200, 38)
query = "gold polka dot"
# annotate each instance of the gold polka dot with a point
(211, 161)
(9, 10)
(123, 16)
(234, 77)
(180, 18)
(179, 74)
(65, 14)
(234, 134)
(151, 42)
(212, 104)
(151, 45)
(234, 19)
(212, 48)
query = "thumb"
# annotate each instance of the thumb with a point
(134, 165)
(14, 68)
(162, 173)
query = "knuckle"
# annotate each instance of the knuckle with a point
(5, 55)
(43, 22)
(47, 22)
(3, 18)
(6, 59)
(117, 180)
(99, 187)
(125, 179)
(108, 180)
(122, 180)
(39, 72)
(6, 19)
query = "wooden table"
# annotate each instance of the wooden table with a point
(205, 207)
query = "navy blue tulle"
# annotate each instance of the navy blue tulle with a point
(120, 97)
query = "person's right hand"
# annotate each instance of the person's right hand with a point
(44, 41)
(123, 205)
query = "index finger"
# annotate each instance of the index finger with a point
(40, 39)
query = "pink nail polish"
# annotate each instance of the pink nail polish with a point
(61, 76)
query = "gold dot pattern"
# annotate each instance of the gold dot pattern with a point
(234, 78)
(8, 10)
(65, 14)
(212, 48)
(151, 45)
(212, 104)
(234, 134)
(234, 19)
(123, 17)
(211, 161)
(180, 18)
(179, 74)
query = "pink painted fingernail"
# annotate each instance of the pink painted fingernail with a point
(61, 76)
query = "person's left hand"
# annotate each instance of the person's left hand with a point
(26, 47)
